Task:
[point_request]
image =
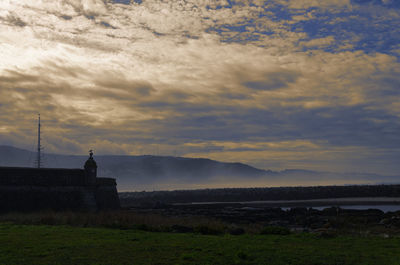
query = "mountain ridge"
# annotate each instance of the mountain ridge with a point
(32, 154)
(149, 172)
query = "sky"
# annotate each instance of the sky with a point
(305, 84)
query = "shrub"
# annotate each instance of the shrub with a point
(242, 255)
(206, 230)
(188, 257)
(142, 227)
(236, 231)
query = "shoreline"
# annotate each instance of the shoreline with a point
(307, 203)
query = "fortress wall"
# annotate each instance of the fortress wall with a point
(33, 198)
(42, 176)
(31, 189)
(106, 194)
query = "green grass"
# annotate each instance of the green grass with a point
(40, 244)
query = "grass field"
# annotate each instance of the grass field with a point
(40, 244)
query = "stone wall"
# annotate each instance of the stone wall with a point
(42, 176)
(106, 194)
(32, 189)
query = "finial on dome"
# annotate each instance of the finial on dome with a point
(91, 168)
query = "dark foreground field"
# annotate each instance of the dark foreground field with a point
(41, 244)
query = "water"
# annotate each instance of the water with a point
(385, 204)
(383, 208)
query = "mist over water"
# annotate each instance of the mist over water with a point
(125, 185)
(138, 173)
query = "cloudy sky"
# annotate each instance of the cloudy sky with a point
(311, 84)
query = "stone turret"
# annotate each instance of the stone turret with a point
(91, 169)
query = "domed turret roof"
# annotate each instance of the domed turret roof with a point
(90, 163)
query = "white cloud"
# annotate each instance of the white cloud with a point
(90, 64)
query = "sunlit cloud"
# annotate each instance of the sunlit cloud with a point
(277, 84)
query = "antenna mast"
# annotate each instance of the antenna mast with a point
(39, 147)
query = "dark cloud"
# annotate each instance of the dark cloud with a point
(125, 2)
(272, 80)
(383, 84)
(388, 3)
(66, 17)
(344, 126)
(234, 94)
(15, 21)
(107, 25)
(13, 76)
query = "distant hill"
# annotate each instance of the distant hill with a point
(166, 172)
(132, 171)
